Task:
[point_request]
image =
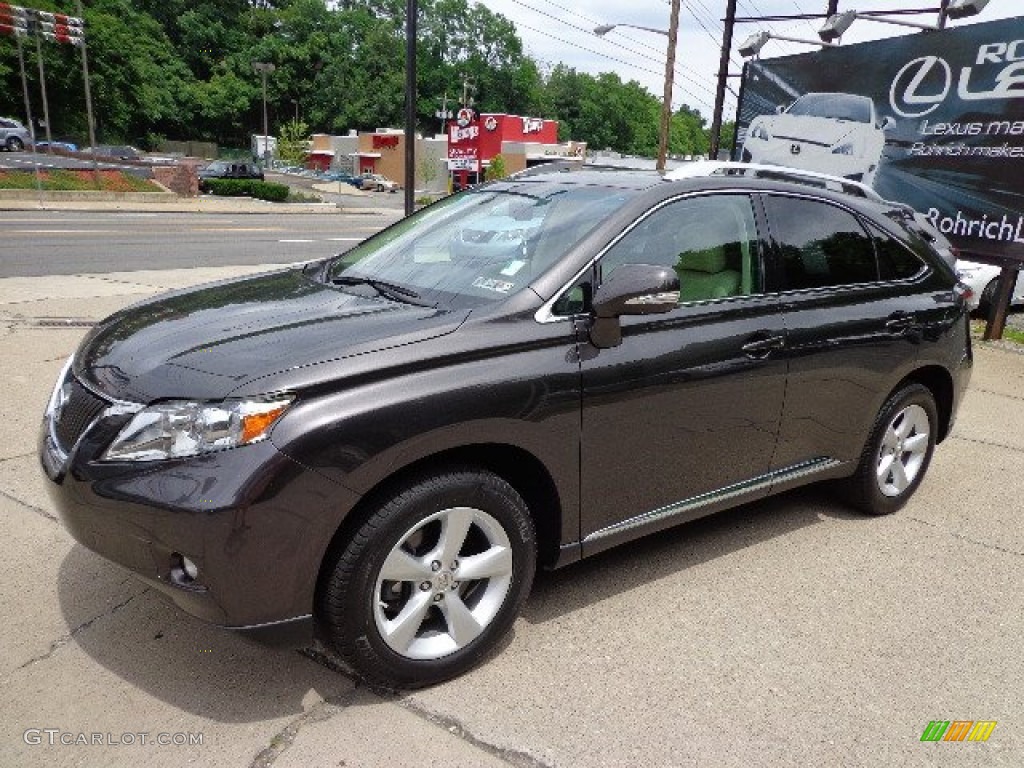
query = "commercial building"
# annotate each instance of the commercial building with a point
(452, 159)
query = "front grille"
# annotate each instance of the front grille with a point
(80, 408)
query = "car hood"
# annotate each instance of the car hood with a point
(820, 130)
(206, 342)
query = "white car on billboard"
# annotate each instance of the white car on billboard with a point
(835, 133)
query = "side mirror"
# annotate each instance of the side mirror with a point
(886, 122)
(632, 289)
(780, 109)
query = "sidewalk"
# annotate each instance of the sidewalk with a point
(102, 201)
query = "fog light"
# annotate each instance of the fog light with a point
(183, 570)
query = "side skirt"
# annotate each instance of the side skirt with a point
(708, 503)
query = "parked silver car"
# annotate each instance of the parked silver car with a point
(13, 135)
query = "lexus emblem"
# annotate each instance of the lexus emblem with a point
(63, 395)
(794, 149)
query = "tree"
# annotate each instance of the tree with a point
(292, 143)
(496, 170)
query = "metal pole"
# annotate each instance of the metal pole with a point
(1000, 304)
(666, 103)
(266, 136)
(42, 89)
(943, 10)
(28, 115)
(410, 106)
(723, 75)
(88, 100)
(833, 8)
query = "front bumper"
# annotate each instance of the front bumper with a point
(254, 523)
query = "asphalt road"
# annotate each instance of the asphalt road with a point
(36, 243)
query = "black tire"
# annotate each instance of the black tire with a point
(988, 297)
(361, 611)
(897, 443)
(14, 144)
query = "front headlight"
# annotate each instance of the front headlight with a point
(181, 428)
(844, 149)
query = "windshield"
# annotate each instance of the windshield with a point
(838, 106)
(480, 246)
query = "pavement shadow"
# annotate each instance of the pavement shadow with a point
(150, 643)
(646, 560)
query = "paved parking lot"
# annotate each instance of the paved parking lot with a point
(790, 632)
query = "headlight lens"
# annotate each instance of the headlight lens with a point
(180, 428)
(844, 149)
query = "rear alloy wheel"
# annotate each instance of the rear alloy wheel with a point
(898, 452)
(432, 581)
(14, 144)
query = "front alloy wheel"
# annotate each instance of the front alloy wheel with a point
(443, 583)
(431, 580)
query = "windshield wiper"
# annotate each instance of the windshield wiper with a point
(384, 288)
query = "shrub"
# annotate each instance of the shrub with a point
(262, 190)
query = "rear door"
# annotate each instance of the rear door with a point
(853, 315)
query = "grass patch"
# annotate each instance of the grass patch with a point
(67, 180)
(301, 197)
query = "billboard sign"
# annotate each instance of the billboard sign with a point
(934, 120)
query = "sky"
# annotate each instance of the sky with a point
(556, 31)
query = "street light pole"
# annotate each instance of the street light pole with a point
(670, 67)
(264, 68)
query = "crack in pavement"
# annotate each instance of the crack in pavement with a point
(334, 705)
(989, 443)
(33, 507)
(281, 741)
(997, 394)
(456, 728)
(968, 539)
(63, 640)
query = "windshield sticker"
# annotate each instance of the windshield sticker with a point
(513, 267)
(490, 284)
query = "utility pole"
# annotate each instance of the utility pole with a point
(468, 85)
(42, 89)
(723, 75)
(410, 106)
(88, 97)
(666, 103)
(28, 114)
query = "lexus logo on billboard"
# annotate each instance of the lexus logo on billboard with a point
(908, 95)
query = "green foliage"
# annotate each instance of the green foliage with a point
(262, 190)
(496, 170)
(292, 143)
(183, 69)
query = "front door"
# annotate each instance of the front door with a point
(682, 417)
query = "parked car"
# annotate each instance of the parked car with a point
(117, 151)
(66, 146)
(378, 183)
(835, 133)
(14, 136)
(379, 448)
(983, 280)
(342, 176)
(229, 169)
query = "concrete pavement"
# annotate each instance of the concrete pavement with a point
(790, 632)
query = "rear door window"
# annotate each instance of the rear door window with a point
(819, 245)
